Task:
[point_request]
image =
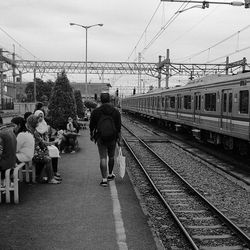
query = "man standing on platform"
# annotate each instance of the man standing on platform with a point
(105, 130)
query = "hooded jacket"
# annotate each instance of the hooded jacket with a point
(106, 109)
(8, 149)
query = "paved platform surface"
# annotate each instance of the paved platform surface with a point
(77, 214)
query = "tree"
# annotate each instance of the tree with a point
(43, 90)
(79, 104)
(90, 105)
(62, 103)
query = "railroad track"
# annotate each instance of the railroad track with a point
(230, 166)
(204, 226)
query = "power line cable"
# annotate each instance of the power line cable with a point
(22, 48)
(144, 32)
(169, 22)
(17, 42)
(194, 26)
(213, 46)
(235, 52)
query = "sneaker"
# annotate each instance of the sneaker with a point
(111, 178)
(57, 178)
(104, 183)
(57, 174)
(53, 181)
(73, 151)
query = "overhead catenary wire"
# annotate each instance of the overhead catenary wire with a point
(169, 22)
(229, 54)
(21, 46)
(215, 45)
(144, 32)
(5, 32)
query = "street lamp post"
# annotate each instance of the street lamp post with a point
(86, 51)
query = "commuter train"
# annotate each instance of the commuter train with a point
(214, 108)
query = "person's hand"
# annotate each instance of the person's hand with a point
(56, 140)
(91, 137)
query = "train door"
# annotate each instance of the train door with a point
(197, 107)
(226, 109)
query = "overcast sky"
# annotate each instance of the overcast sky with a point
(41, 28)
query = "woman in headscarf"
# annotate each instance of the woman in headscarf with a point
(41, 155)
(43, 129)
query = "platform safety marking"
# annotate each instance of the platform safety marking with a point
(119, 227)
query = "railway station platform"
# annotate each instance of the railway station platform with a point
(78, 213)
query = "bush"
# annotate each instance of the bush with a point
(62, 103)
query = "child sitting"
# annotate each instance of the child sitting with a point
(71, 132)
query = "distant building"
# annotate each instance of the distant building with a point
(92, 90)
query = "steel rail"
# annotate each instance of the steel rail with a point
(222, 217)
(188, 237)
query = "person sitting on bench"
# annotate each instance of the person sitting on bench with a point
(7, 150)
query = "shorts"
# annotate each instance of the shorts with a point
(106, 149)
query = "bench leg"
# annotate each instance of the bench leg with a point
(16, 187)
(33, 173)
(27, 172)
(2, 188)
(16, 174)
(7, 184)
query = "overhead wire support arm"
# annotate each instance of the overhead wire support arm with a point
(205, 4)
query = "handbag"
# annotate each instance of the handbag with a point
(40, 155)
(121, 163)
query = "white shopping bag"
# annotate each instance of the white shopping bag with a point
(53, 151)
(121, 163)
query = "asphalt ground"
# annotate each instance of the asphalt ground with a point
(78, 213)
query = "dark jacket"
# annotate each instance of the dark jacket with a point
(107, 109)
(8, 144)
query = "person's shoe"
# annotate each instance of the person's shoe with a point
(54, 181)
(104, 183)
(42, 180)
(57, 174)
(73, 151)
(111, 178)
(57, 178)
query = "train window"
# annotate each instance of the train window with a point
(210, 102)
(158, 102)
(172, 102)
(197, 102)
(187, 101)
(244, 100)
(179, 101)
(166, 102)
(225, 102)
(162, 102)
(230, 102)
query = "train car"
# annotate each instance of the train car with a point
(214, 108)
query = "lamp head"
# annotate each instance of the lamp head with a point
(100, 24)
(71, 24)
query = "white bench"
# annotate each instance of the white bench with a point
(29, 168)
(8, 186)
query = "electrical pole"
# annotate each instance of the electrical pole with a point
(139, 72)
(159, 73)
(14, 74)
(1, 77)
(167, 68)
(35, 81)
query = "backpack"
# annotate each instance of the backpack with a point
(106, 129)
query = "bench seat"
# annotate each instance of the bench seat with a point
(10, 183)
